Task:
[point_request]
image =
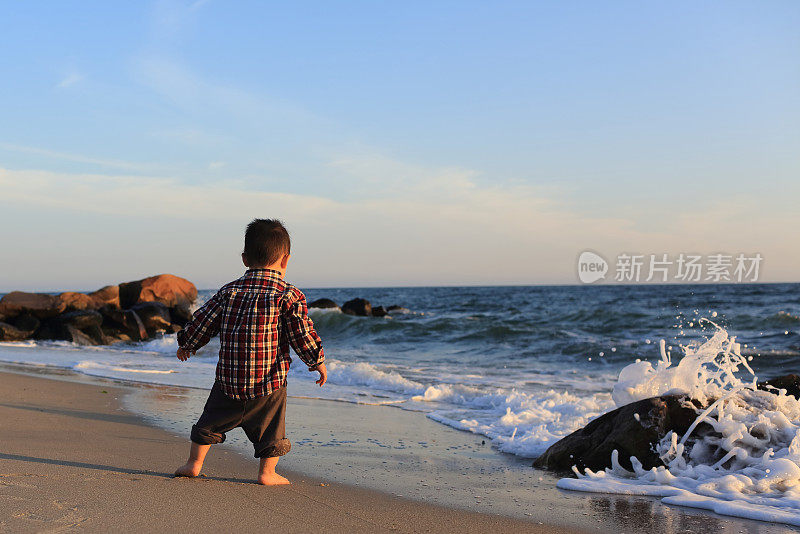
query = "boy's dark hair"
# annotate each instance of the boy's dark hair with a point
(265, 242)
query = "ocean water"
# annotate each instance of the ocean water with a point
(523, 366)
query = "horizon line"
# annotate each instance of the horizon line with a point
(430, 286)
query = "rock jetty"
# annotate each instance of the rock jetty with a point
(130, 311)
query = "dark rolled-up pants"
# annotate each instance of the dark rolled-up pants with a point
(263, 420)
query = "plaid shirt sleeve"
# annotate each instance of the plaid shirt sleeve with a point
(204, 325)
(300, 330)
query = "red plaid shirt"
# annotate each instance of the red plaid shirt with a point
(257, 318)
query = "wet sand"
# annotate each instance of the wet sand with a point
(73, 456)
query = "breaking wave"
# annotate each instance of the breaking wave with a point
(747, 465)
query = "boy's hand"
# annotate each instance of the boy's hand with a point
(183, 354)
(323, 373)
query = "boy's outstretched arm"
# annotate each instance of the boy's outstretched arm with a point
(304, 339)
(204, 325)
(184, 354)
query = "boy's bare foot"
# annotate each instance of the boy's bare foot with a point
(272, 479)
(188, 469)
(267, 475)
(192, 467)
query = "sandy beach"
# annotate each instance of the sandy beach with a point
(73, 458)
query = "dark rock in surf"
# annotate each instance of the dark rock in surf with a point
(633, 430)
(26, 323)
(40, 305)
(180, 315)
(379, 311)
(81, 319)
(125, 322)
(80, 326)
(791, 383)
(155, 317)
(360, 307)
(9, 332)
(79, 337)
(115, 337)
(396, 308)
(323, 303)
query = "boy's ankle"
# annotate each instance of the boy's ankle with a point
(189, 469)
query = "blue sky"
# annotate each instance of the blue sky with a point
(409, 143)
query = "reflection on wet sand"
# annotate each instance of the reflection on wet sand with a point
(382, 448)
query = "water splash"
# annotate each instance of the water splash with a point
(706, 370)
(740, 457)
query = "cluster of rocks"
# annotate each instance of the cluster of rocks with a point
(635, 429)
(130, 311)
(358, 306)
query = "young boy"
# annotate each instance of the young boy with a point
(257, 318)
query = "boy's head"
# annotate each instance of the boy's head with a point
(266, 244)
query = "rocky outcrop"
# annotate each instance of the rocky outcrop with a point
(358, 306)
(154, 316)
(39, 305)
(72, 301)
(81, 319)
(27, 323)
(167, 289)
(124, 324)
(82, 324)
(322, 303)
(106, 296)
(633, 430)
(9, 332)
(791, 383)
(79, 326)
(130, 311)
(180, 315)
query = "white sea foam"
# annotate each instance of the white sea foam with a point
(520, 422)
(705, 370)
(747, 465)
(365, 374)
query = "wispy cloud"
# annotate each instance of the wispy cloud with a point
(194, 137)
(138, 195)
(189, 91)
(69, 80)
(169, 19)
(80, 158)
(198, 4)
(447, 229)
